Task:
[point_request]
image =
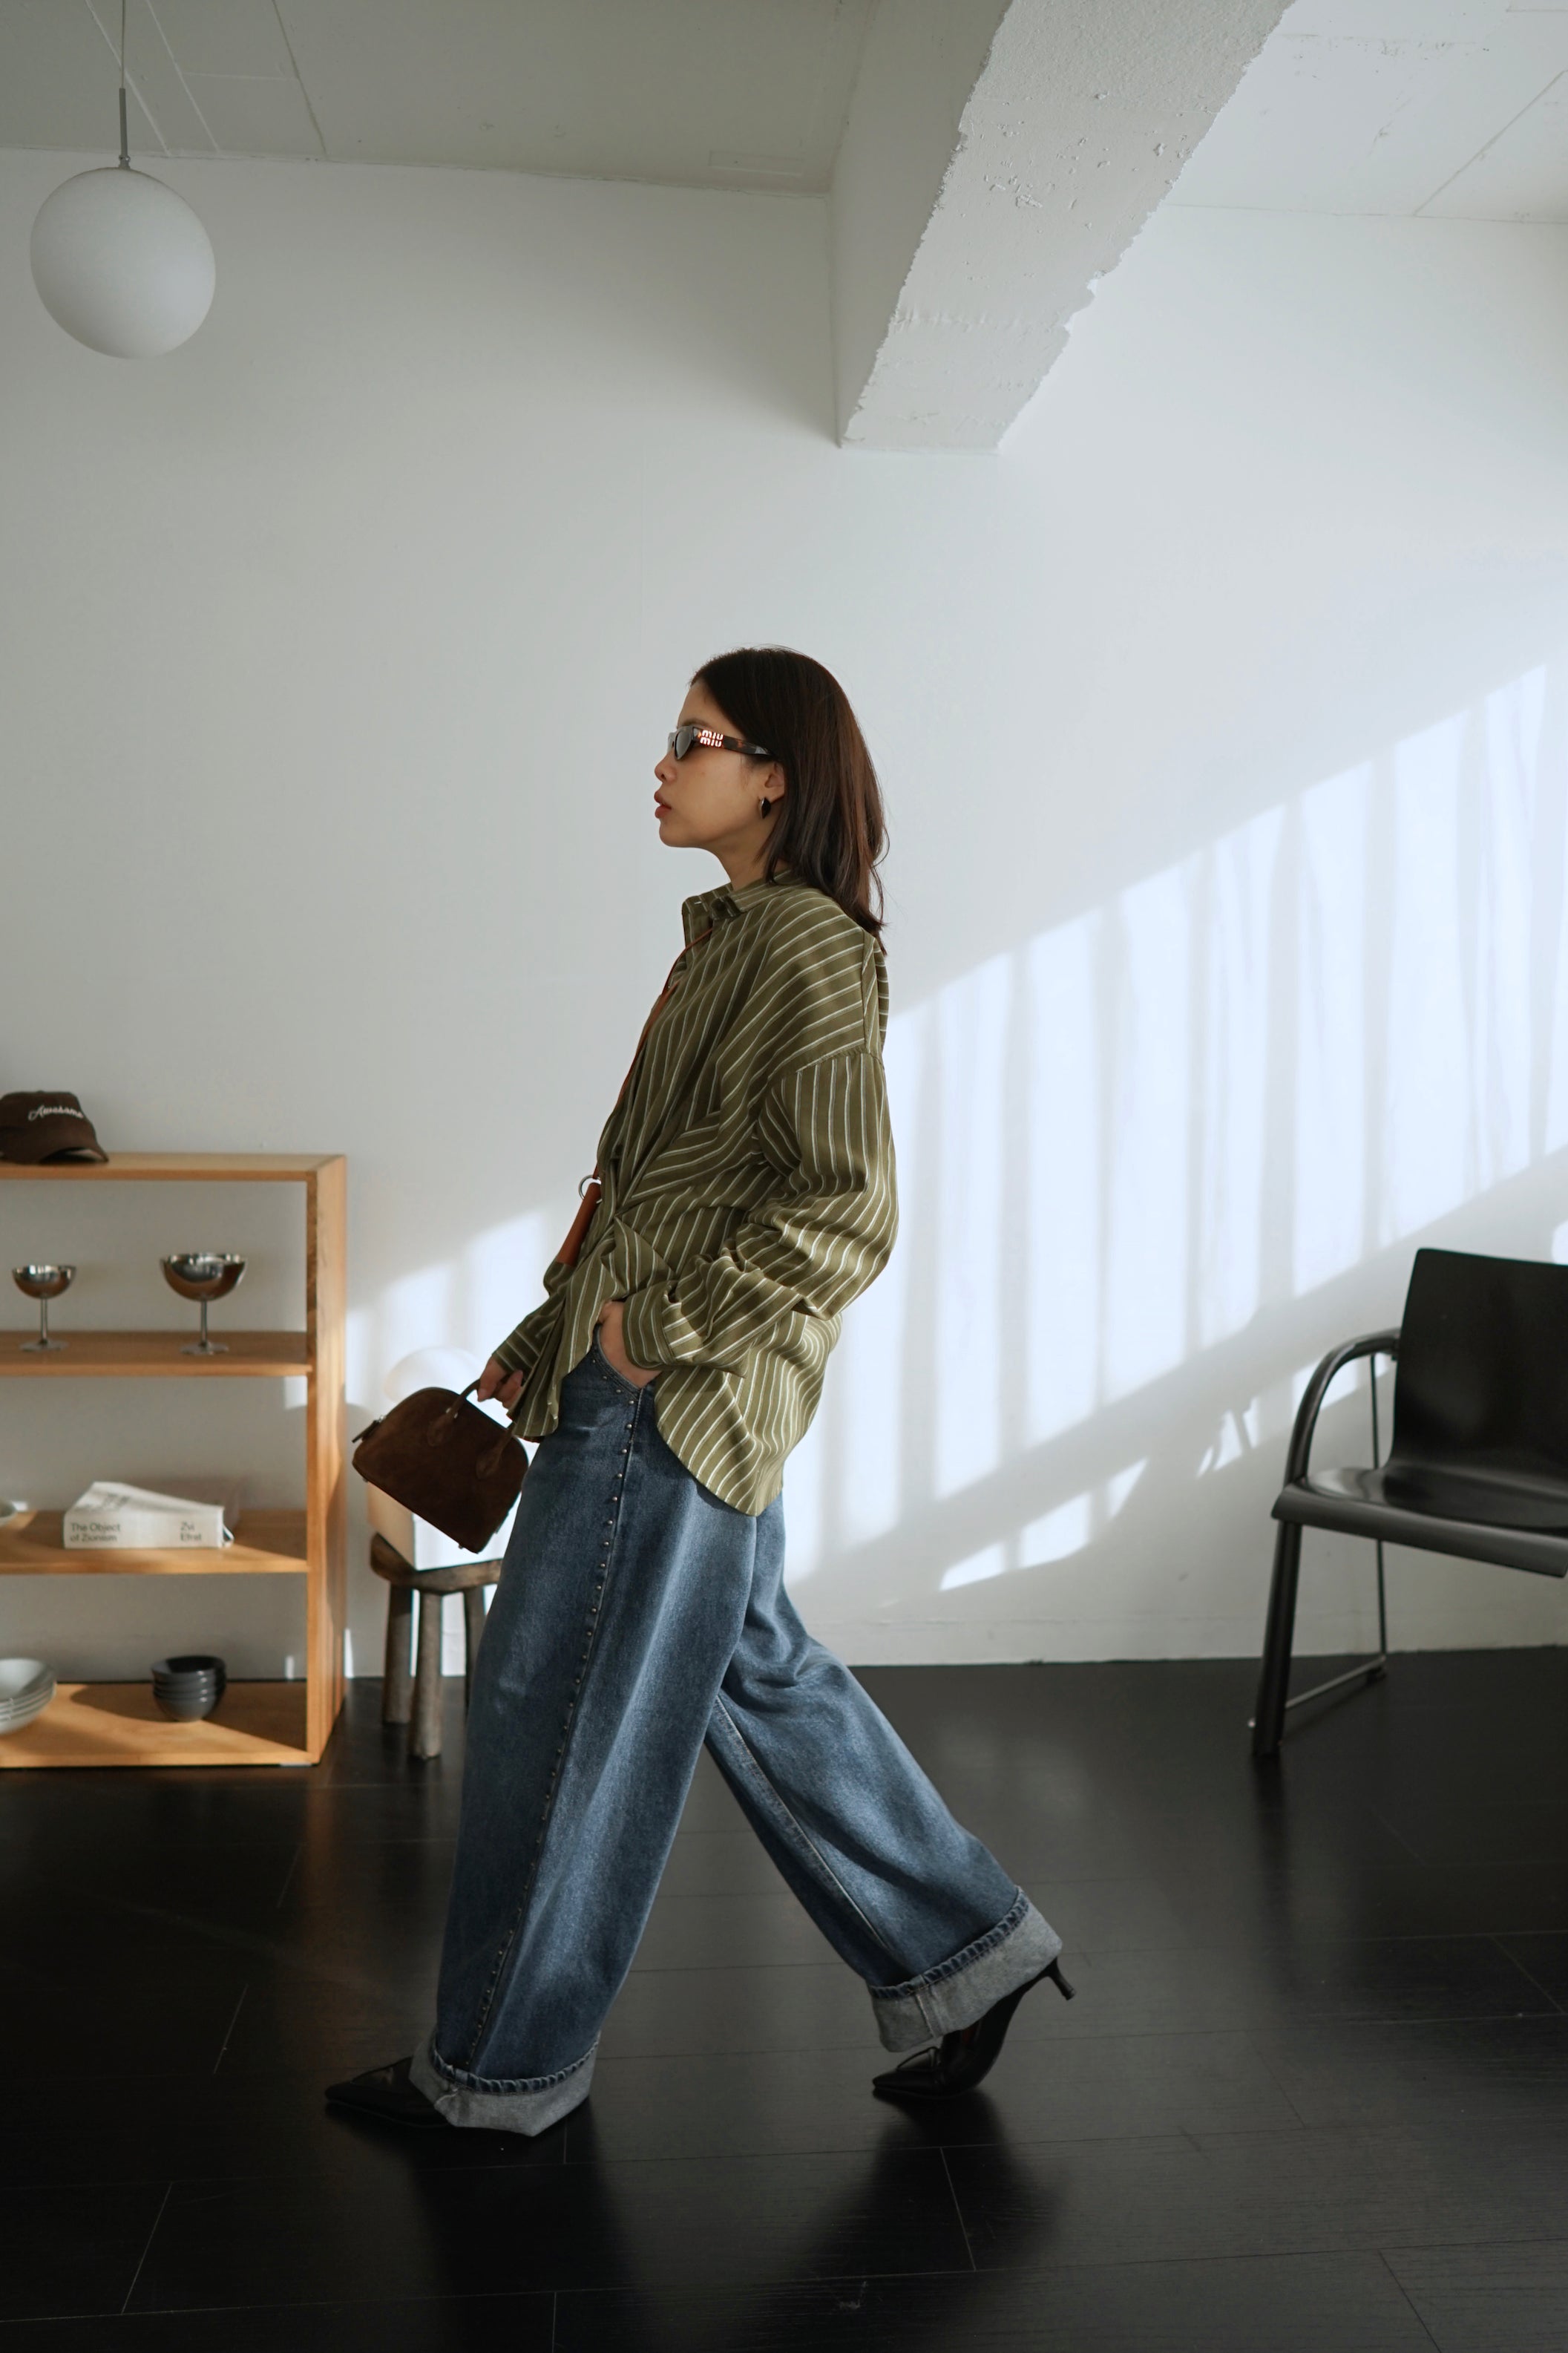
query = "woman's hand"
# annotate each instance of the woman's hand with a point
(496, 1382)
(612, 1339)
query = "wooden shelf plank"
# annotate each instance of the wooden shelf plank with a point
(177, 1167)
(266, 1544)
(119, 1723)
(247, 1355)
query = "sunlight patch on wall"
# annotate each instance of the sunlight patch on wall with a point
(872, 1367)
(978, 1569)
(1238, 1434)
(972, 1038)
(1120, 1486)
(1147, 1088)
(1062, 1140)
(1217, 1090)
(1234, 895)
(415, 1312)
(1426, 1128)
(501, 1279)
(470, 1301)
(1330, 1155)
(1056, 1535)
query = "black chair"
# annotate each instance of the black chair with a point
(1478, 1465)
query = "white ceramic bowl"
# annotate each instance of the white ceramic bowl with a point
(20, 1678)
(21, 1715)
(26, 1687)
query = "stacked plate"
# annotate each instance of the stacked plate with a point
(188, 1688)
(26, 1687)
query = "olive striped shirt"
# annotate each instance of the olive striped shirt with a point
(749, 1192)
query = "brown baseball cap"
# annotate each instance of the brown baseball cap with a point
(47, 1124)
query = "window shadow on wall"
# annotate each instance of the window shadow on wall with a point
(1154, 1159)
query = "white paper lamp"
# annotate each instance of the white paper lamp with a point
(122, 263)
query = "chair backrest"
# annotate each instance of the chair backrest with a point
(1482, 1381)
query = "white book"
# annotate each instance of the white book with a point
(112, 1515)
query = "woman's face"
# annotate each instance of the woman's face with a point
(710, 799)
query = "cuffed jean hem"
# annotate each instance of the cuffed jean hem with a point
(960, 1990)
(530, 2108)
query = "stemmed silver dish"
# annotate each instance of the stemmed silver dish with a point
(43, 1283)
(205, 1275)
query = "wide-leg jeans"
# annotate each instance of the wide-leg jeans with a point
(637, 1617)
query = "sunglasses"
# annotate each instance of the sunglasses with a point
(682, 739)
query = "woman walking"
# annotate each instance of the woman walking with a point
(744, 1194)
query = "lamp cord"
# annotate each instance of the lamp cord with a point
(125, 141)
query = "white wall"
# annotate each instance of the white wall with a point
(1222, 721)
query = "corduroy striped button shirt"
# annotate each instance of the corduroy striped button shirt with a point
(749, 1192)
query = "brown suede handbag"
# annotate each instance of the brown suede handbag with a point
(445, 1461)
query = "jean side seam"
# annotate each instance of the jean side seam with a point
(804, 1836)
(487, 2001)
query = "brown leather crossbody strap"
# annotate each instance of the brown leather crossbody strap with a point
(591, 1189)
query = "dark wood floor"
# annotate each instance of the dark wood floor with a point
(1314, 2092)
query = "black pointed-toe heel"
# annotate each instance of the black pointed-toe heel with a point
(961, 2059)
(386, 2094)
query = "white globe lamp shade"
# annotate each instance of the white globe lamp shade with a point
(122, 263)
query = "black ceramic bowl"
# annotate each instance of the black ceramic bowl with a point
(189, 1687)
(194, 1667)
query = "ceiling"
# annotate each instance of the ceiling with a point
(702, 93)
(1444, 108)
(1448, 109)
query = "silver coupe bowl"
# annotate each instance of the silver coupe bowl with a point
(202, 1274)
(42, 1283)
(205, 1275)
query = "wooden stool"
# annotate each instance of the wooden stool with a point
(416, 1699)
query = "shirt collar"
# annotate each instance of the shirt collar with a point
(710, 907)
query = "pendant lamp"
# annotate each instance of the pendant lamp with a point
(120, 260)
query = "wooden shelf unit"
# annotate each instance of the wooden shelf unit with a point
(254, 1723)
(156, 1355)
(264, 1544)
(119, 1723)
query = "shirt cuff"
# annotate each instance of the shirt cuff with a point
(518, 1351)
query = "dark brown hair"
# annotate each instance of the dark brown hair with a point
(830, 830)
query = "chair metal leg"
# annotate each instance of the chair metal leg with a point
(1266, 1723)
(396, 1678)
(1274, 1680)
(1377, 1668)
(1381, 1668)
(425, 1732)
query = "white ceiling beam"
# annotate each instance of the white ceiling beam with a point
(997, 161)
